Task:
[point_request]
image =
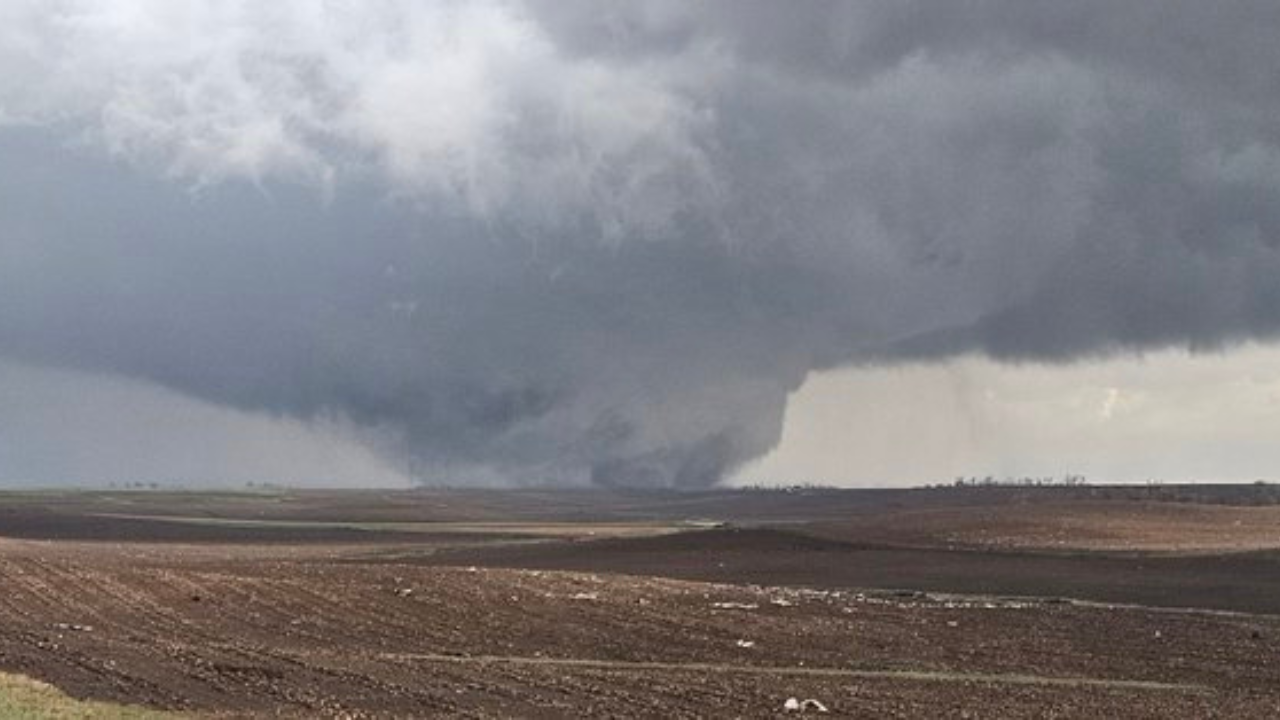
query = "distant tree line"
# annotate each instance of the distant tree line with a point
(183, 485)
(788, 488)
(1068, 480)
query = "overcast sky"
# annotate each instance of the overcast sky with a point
(1166, 417)
(606, 242)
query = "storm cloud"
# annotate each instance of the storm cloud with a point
(602, 242)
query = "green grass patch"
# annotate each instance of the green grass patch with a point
(22, 698)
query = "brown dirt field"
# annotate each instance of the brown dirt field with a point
(1082, 525)
(394, 626)
(308, 636)
(1244, 582)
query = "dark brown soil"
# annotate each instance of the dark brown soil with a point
(401, 624)
(1247, 582)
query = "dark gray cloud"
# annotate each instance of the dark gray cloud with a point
(581, 242)
(60, 427)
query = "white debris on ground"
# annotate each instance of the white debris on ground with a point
(802, 706)
(906, 599)
(73, 627)
(585, 596)
(734, 606)
(746, 643)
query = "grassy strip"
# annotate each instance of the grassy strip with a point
(480, 527)
(22, 698)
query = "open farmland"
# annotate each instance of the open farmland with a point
(974, 603)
